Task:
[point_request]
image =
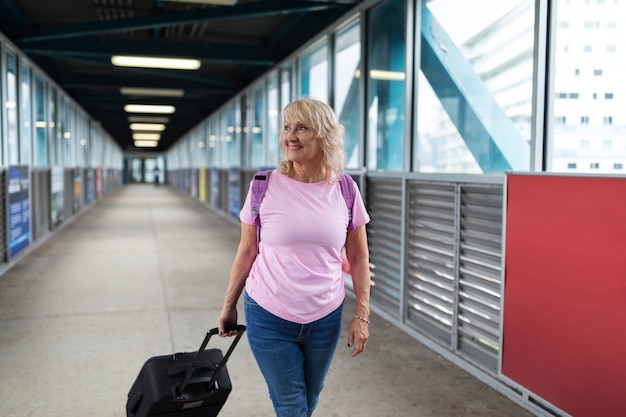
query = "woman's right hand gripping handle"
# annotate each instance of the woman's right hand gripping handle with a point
(228, 316)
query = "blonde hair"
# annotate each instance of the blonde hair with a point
(322, 119)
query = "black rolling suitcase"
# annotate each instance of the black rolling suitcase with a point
(190, 384)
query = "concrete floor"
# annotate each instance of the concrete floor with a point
(142, 273)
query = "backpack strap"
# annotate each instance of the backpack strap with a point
(259, 187)
(349, 193)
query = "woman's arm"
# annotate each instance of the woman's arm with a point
(246, 254)
(357, 253)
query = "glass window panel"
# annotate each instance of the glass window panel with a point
(285, 86)
(41, 123)
(201, 145)
(13, 151)
(227, 138)
(385, 80)
(238, 123)
(1, 116)
(474, 104)
(241, 136)
(52, 130)
(84, 141)
(591, 112)
(273, 112)
(68, 132)
(26, 115)
(258, 127)
(346, 88)
(213, 136)
(313, 74)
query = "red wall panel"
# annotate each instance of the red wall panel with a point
(564, 330)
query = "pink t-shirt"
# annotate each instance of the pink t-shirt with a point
(297, 273)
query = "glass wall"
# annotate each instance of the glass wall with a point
(41, 126)
(473, 91)
(313, 72)
(347, 94)
(12, 139)
(588, 133)
(386, 40)
(475, 86)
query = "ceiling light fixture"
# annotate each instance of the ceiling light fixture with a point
(149, 108)
(155, 62)
(146, 136)
(146, 143)
(153, 92)
(387, 75)
(147, 127)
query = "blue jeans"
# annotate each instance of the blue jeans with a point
(293, 358)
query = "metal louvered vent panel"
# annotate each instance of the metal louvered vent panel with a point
(385, 241)
(480, 274)
(4, 250)
(40, 207)
(430, 259)
(68, 193)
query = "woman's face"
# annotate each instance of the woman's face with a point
(301, 143)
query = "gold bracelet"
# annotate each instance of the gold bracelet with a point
(362, 318)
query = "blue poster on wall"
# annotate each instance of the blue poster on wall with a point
(19, 209)
(56, 195)
(233, 193)
(90, 186)
(215, 188)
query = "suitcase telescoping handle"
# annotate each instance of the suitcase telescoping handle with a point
(240, 330)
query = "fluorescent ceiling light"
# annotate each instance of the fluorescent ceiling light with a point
(216, 2)
(160, 92)
(155, 62)
(387, 75)
(146, 136)
(148, 127)
(148, 108)
(148, 119)
(146, 143)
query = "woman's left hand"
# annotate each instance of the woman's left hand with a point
(358, 335)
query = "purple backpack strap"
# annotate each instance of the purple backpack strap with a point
(259, 187)
(348, 192)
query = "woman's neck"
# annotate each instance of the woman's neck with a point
(303, 173)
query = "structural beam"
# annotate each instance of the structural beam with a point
(244, 11)
(488, 132)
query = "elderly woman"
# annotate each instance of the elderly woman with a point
(293, 274)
